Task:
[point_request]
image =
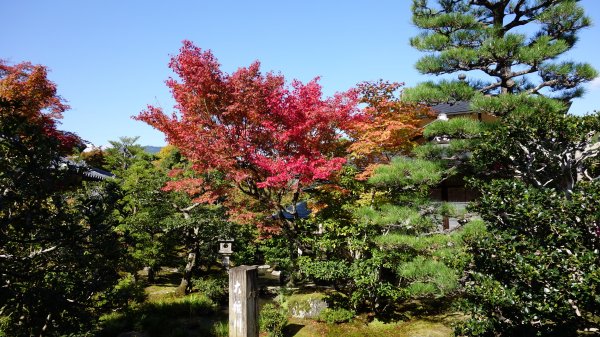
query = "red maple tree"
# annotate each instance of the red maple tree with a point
(28, 96)
(269, 138)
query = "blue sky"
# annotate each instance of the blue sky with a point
(109, 58)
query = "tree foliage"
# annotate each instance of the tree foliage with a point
(161, 217)
(492, 37)
(387, 127)
(57, 244)
(268, 138)
(536, 270)
(381, 242)
(144, 210)
(542, 148)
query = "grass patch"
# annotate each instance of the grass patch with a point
(160, 293)
(170, 317)
(360, 328)
(333, 316)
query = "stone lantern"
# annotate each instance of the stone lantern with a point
(225, 250)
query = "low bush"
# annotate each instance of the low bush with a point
(273, 320)
(334, 316)
(126, 292)
(212, 287)
(192, 305)
(221, 329)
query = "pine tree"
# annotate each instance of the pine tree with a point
(517, 44)
(542, 159)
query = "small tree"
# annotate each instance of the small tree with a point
(536, 270)
(270, 141)
(161, 212)
(144, 208)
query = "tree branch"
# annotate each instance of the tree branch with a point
(31, 255)
(540, 86)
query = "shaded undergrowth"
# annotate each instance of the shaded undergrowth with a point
(169, 316)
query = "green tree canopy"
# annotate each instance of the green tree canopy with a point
(57, 241)
(516, 44)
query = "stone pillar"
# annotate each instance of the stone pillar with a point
(243, 301)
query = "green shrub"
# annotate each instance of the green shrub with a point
(212, 287)
(3, 326)
(334, 316)
(273, 320)
(127, 290)
(221, 329)
(323, 270)
(536, 270)
(192, 305)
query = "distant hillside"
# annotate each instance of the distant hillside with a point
(152, 149)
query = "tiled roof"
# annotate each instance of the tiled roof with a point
(87, 171)
(97, 174)
(460, 107)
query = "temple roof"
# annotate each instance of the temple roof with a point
(456, 108)
(88, 172)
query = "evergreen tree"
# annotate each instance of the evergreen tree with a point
(515, 43)
(161, 216)
(57, 243)
(143, 207)
(382, 243)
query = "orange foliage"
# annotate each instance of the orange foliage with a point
(387, 128)
(28, 95)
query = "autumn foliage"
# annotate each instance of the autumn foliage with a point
(387, 127)
(269, 138)
(28, 96)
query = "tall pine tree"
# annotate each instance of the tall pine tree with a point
(517, 45)
(521, 280)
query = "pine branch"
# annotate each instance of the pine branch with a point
(540, 86)
(523, 72)
(490, 87)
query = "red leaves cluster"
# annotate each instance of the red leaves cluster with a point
(260, 132)
(269, 138)
(26, 93)
(197, 188)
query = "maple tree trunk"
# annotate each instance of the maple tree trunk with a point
(187, 274)
(185, 286)
(293, 254)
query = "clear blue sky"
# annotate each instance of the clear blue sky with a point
(109, 58)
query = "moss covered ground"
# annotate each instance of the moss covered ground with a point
(164, 314)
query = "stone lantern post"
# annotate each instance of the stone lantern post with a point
(225, 250)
